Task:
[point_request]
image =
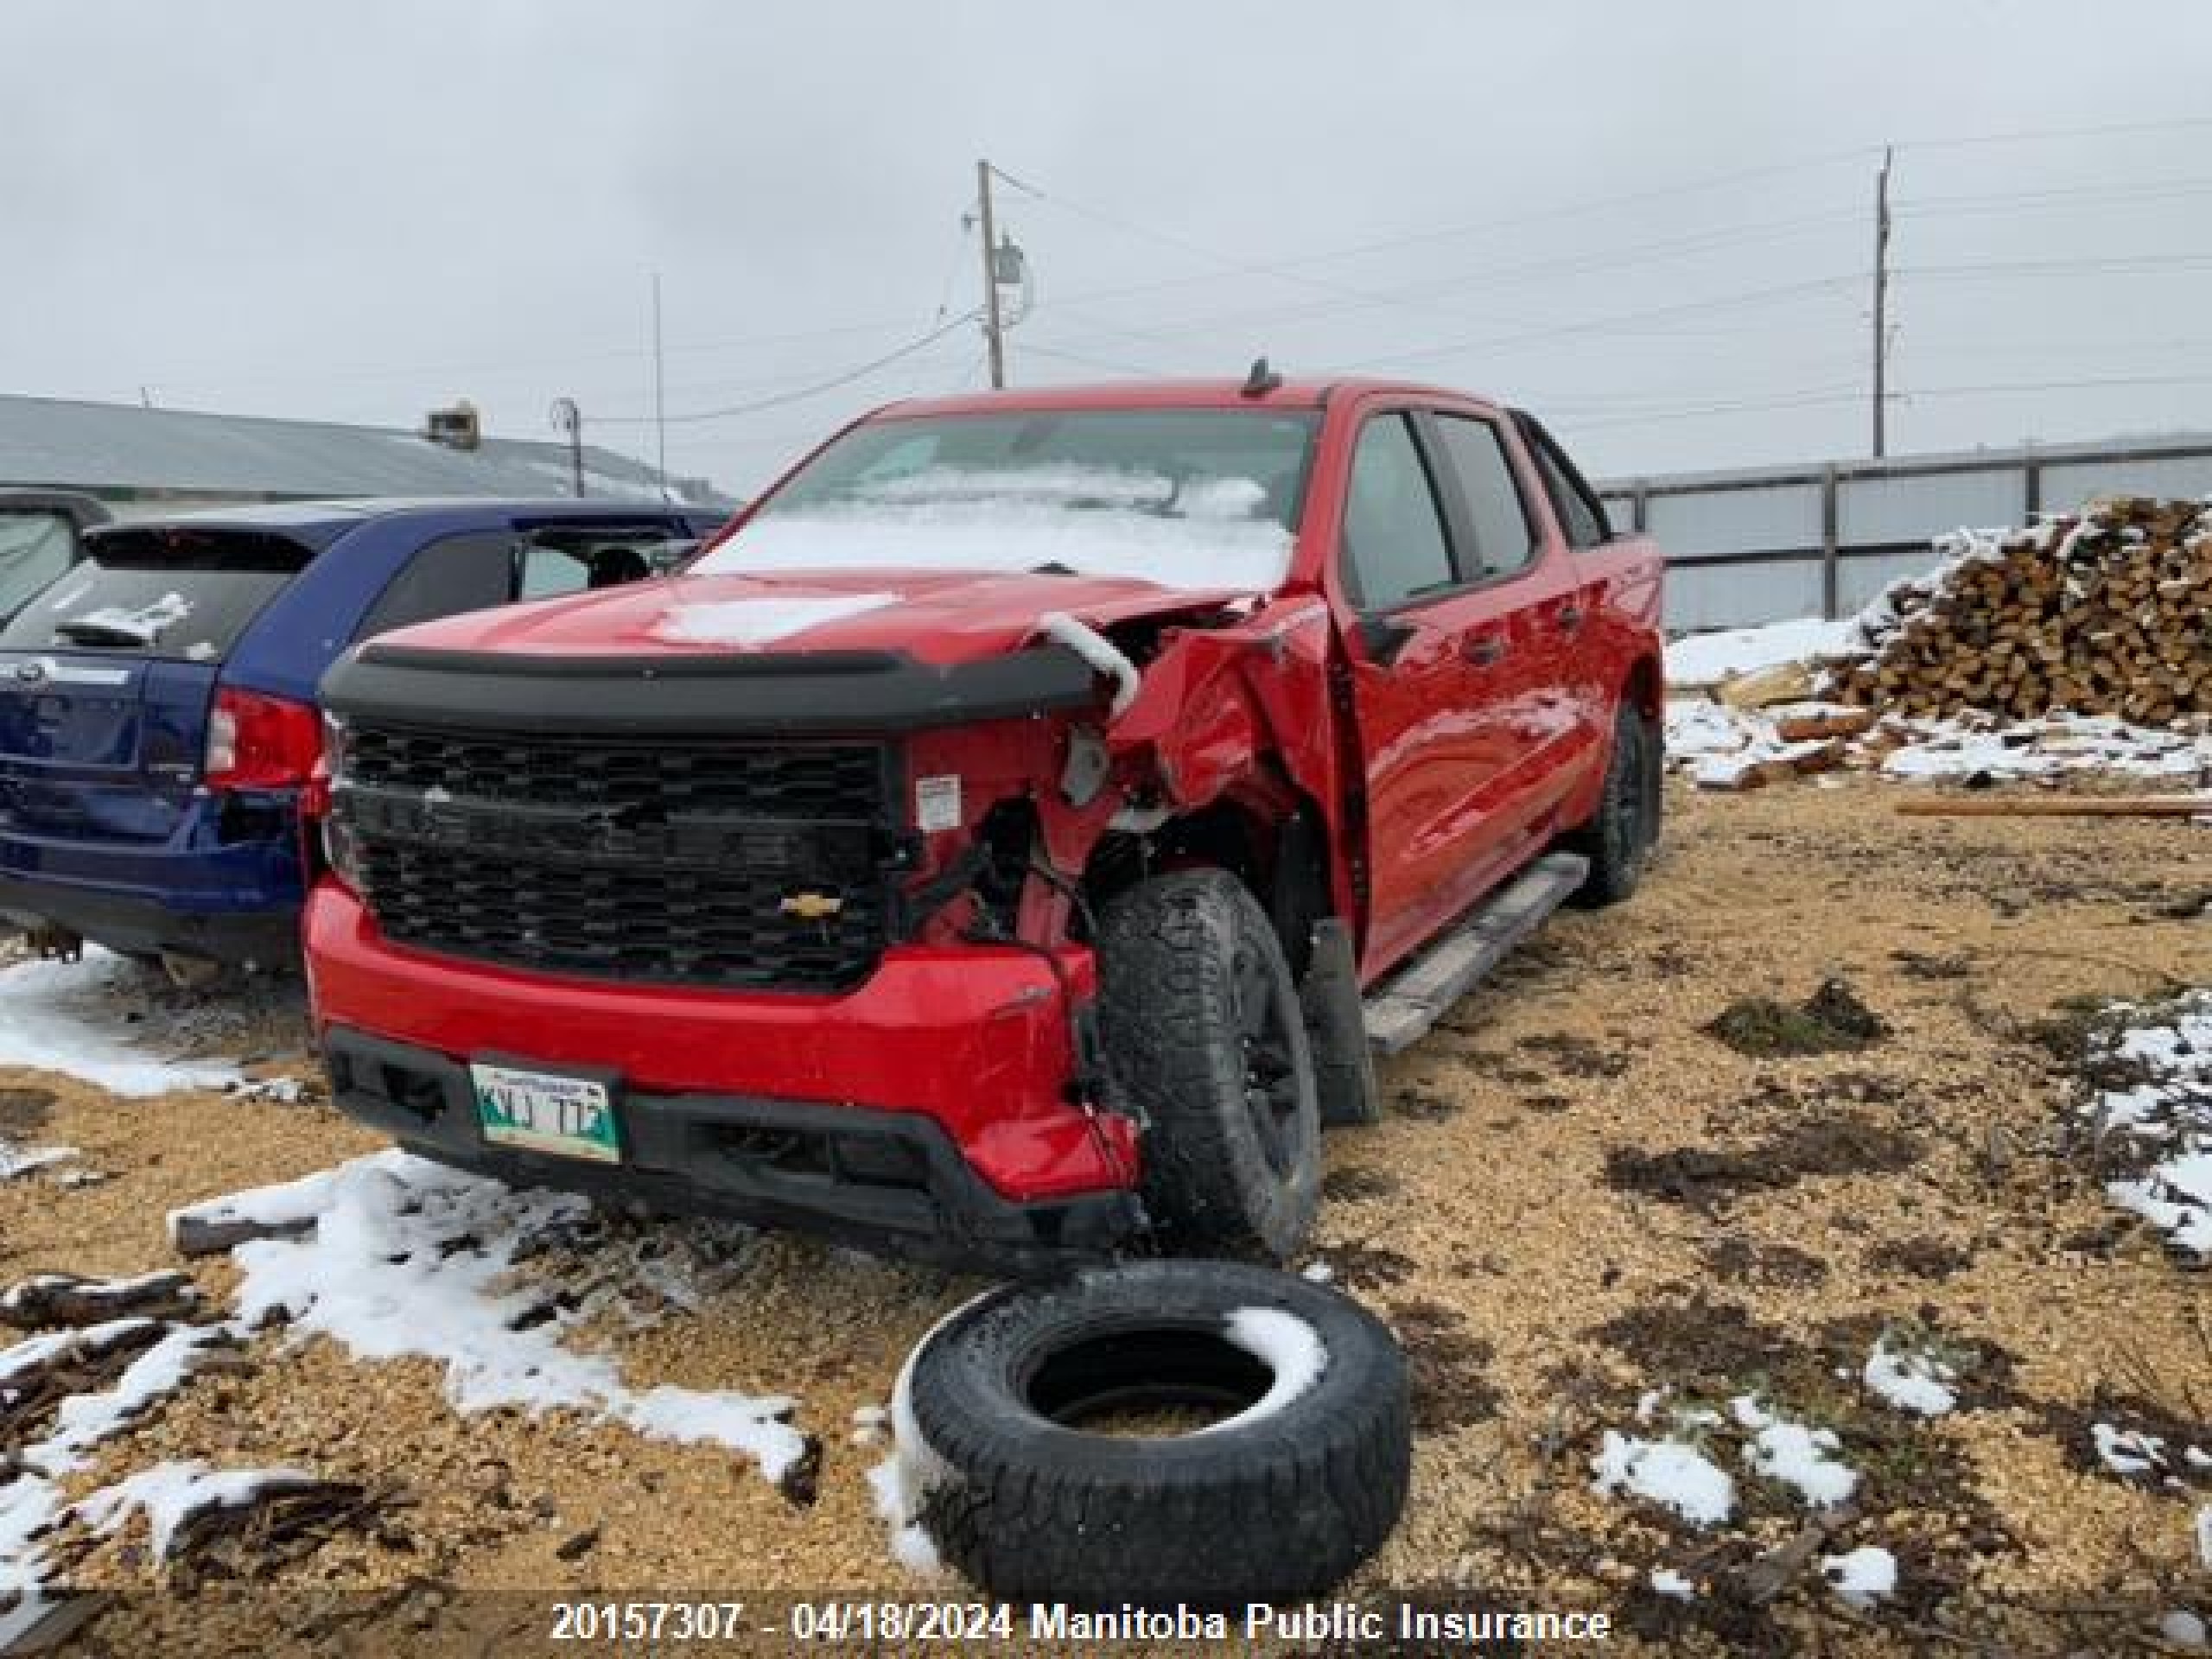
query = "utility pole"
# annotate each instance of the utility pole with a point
(569, 420)
(993, 332)
(660, 402)
(1881, 302)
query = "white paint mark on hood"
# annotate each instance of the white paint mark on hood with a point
(759, 621)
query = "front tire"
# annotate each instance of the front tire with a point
(1205, 1040)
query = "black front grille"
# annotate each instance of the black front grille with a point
(745, 865)
(748, 780)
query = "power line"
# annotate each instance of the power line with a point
(845, 379)
(1601, 325)
(1816, 397)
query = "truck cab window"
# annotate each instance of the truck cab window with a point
(1394, 548)
(1581, 514)
(1496, 517)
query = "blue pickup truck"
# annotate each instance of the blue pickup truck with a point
(157, 699)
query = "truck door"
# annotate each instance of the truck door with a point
(1580, 517)
(1423, 654)
(1535, 616)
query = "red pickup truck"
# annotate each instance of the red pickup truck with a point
(1012, 837)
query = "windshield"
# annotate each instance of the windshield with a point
(1206, 498)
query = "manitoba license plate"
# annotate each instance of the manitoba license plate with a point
(541, 1111)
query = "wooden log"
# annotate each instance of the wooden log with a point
(2056, 807)
(63, 1298)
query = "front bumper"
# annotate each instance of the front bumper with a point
(886, 1181)
(963, 1055)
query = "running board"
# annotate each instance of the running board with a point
(1400, 1010)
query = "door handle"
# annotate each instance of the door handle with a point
(1484, 651)
(1570, 618)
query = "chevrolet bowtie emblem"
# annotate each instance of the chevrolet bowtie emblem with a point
(811, 906)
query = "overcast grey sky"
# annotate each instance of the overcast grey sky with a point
(1651, 222)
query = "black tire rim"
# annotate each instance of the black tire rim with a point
(1263, 1041)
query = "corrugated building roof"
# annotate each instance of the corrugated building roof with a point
(123, 453)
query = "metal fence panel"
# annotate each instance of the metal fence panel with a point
(1740, 595)
(1872, 512)
(1736, 521)
(1864, 577)
(1754, 546)
(2066, 485)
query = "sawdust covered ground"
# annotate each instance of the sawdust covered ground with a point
(1580, 1195)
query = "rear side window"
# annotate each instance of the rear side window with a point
(182, 593)
(35, 548)
(1581, 514)
(456, 573)
(1395, 549)
(1495, 514)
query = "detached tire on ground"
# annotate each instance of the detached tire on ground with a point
(1278, 1501)
(1205, 1040)
(1619, 838)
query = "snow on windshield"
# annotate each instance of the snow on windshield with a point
(1185, 533)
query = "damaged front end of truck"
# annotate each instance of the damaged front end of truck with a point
(819, 916)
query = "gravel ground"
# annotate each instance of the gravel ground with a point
(1580, 1195)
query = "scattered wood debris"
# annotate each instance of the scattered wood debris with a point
(196, 1233)
(61, 1298)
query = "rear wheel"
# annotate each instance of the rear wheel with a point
(1206, 1041)
(1619, 838)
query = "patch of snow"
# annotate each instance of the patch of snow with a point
(1910, 1380)
(1862, 1577)
(744, 622)
(1292, 1351)
(30, 1506)
(1718, 743)
(60, 1016)
(91, 1341)
(83, 1420)
(407, 1257)
(2166, 1111)
(1708, 659)
(1667, 1582)
(1319, 1272)
(172, 1495)
(23, 1162)
(2182, 1628)
(1794, 1454)
(285, 1091)
(2175, 1197)
(1669, 1472)
(902, 1483)
(2128, 1451)
(1009, 532)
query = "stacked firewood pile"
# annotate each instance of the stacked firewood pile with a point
(2108, 612)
